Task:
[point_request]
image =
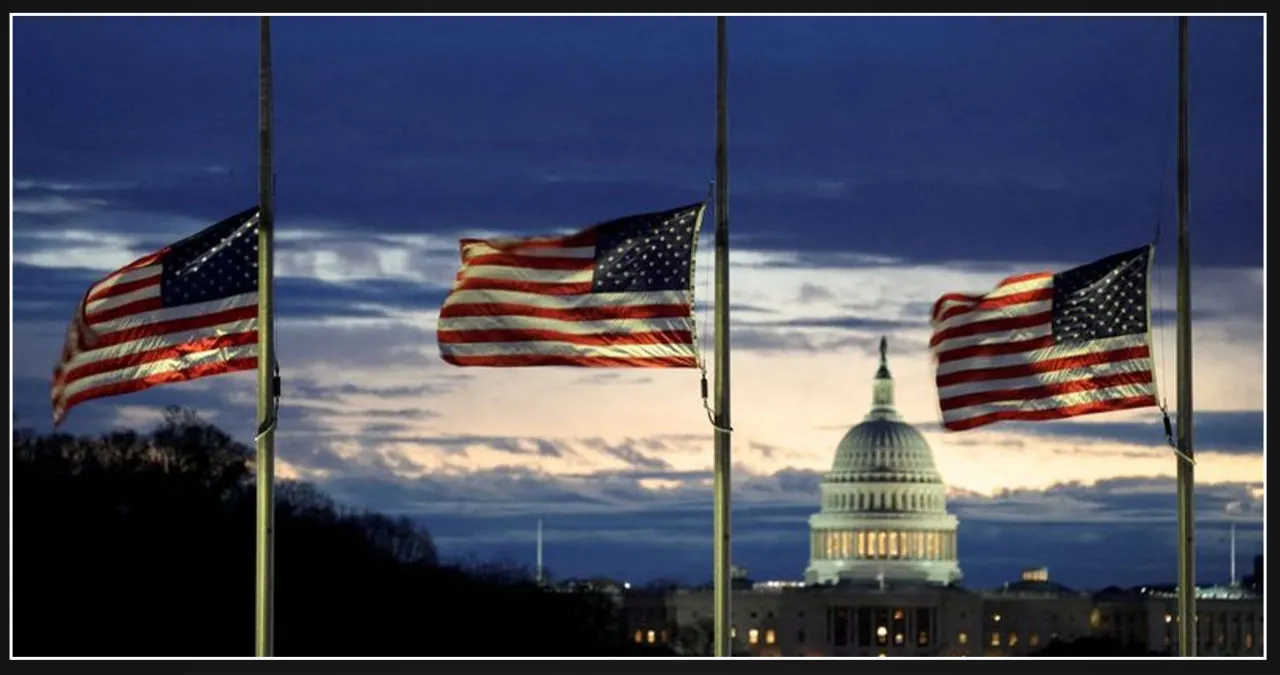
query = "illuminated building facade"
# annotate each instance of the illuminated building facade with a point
(884, 506)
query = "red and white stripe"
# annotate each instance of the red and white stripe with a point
(997, 360)
(124, 340)
(528, 302)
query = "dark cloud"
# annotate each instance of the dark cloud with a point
(299, 298)
(303, 346)
(997, 130)
(308, 389)
(735, 307)
(385, 429)
(1224, 431)
(630, 454)
(811, 292)
(49, 294)
(764, 340)
(460, 444)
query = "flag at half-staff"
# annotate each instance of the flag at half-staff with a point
(187, 311)
(1047, 346)
(617, 294)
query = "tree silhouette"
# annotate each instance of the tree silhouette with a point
(129, 544)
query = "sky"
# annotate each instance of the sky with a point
(875, 163)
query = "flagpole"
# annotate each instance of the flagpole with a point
(267, 381)
(1186, 458)
(722, 581)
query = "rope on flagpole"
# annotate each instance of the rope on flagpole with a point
(697, 341)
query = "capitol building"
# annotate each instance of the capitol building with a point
(884, 505)
(884, 578)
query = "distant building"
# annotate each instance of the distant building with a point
(882, 575)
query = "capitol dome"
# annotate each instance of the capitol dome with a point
(884, 511)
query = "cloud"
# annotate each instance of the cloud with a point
(1083, 532)
(374, 298)
(810, 292)
(1224, 431)
(630, 454)
(846, 322)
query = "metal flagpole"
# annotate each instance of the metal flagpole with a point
(1186, 460)
(723, 592)
(268, 381)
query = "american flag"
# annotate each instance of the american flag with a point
(1047, 346)
(187, 311)
(618, 294)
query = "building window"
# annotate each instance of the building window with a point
(864, 626)
(862, 544)
(899, 638)
(963, 638)
(1248, 640)
(733, 632)
(1013, 639)
(753, 636)
(1033, 640)
(923, 625)
(995, 639)
(1095, 618)
(639, 636)
(770, 637)
(662, 637)
(652, 637)
(841, 626)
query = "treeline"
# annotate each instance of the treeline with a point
(132, 544)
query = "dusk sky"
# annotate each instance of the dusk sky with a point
(875, 163)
